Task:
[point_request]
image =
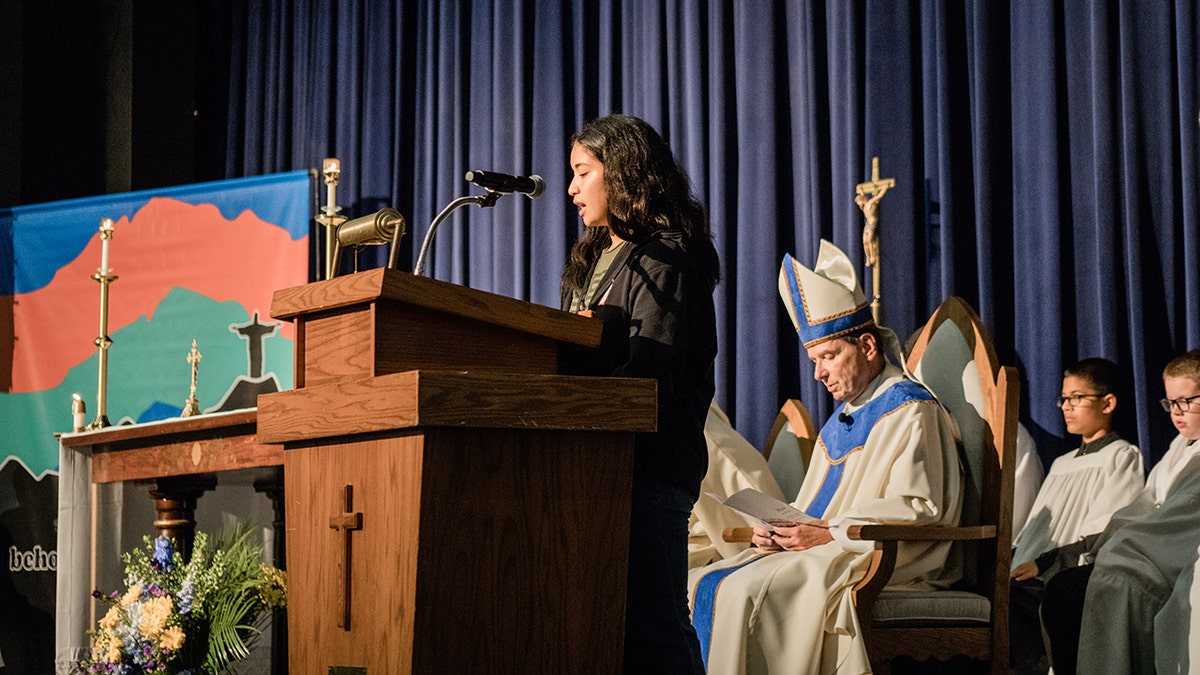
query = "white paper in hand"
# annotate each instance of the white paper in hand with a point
(762, 510)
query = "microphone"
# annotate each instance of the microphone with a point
(845, 419)
(531, 186)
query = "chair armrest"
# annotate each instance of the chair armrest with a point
(919, 533)
(737, 535)
(883, 558)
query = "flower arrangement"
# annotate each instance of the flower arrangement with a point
(178, 618)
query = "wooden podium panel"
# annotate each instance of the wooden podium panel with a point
(494, 512)
(480, 551)
(464, 399)
(385, 321)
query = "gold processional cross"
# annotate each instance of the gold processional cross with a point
(867, 196)
(346, 522)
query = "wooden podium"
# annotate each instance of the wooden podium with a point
(454, 504)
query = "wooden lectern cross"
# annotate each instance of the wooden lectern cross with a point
(346, 523)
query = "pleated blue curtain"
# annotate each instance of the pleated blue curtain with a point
(1045, 156)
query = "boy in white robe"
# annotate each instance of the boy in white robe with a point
(1099, 615)
(886, 456)
(1084, 488)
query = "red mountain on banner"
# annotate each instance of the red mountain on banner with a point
(167, 244)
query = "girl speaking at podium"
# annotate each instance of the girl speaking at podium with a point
(645, 265)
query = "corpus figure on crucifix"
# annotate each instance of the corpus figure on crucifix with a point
(867, 196)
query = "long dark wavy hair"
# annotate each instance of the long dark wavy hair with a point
(647, 192)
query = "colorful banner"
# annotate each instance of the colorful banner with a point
(198, 262)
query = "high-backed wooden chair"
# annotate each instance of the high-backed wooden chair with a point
(955, 359)
(789, 446)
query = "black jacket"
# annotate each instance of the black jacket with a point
(659, 323)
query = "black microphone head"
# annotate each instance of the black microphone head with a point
(539, 186)
(531, 186)
(845, 419)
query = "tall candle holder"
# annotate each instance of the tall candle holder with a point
(103, 342)
(330, 215)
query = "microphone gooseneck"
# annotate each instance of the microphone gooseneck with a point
(497, 185)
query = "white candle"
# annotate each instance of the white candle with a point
(331, 168)
(78, 410)
(106, 230)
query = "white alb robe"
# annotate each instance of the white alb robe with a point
(1158, 483)
(733, 464)
(1177, 625)
(791, 612)
(1146, 548)
(1028, 479)
(1078, 497)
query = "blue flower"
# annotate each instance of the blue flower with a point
(187, 592)
(163, 554)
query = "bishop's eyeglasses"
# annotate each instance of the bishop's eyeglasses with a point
(1181, 404)
(1075, 399)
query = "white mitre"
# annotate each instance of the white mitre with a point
(825, 302)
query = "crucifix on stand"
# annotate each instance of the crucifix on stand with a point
(867, 196)
(346, 522)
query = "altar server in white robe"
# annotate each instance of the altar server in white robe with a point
(733, 464)
(1085, 486)
(887, 455)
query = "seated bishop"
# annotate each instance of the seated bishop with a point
(887, 455)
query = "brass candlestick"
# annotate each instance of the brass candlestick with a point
(330, 215)
(103, 342)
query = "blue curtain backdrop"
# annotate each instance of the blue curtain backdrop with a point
(1045, 155)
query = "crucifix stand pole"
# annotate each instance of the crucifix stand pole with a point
(867, 196)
